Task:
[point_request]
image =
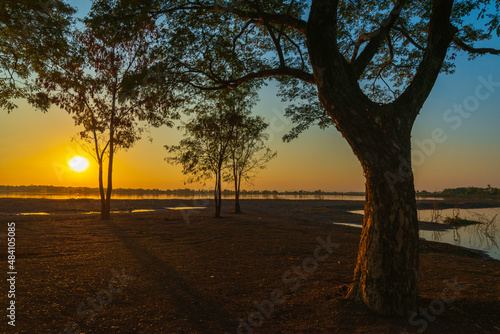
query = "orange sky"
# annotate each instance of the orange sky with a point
(35, 147)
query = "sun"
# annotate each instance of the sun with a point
(78, 164)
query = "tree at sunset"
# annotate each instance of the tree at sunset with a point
(94, 83)
(248, 153)
(207, 148)
(33, 34)
(369, 66)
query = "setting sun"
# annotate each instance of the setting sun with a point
(78, 164)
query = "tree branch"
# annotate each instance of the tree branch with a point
(441, 34)
(233, 83)
(376, 39)
(286, 19)
(247, 24)
(482, 51)
(406, 34)
(276, 40)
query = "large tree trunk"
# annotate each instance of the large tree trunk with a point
(386, 274)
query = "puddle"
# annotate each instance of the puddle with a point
(186, 207)
(349, 224)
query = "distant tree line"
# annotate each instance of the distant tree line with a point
(465, 192)
(42, 189)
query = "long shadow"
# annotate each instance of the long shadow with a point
(200, 310)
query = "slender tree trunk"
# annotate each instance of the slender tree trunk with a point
(237, 208)
(101, 187)
(217, 196)
(106, 213)
(109, 189)
(219, 190)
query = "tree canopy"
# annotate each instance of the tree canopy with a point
(95, 82)
(33, 34)
(382, 45)
(210, 136)
(369, 66)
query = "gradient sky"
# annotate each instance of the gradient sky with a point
(35, 147)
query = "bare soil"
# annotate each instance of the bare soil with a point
(182, 271)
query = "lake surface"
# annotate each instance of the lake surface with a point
(196, 196)
(484, 237)
(187, 197)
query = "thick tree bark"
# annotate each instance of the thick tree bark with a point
(386, 274)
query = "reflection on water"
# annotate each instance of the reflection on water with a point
(186, 207)
(115, 211)
(349, 224)
(484, 236)
(206, 195)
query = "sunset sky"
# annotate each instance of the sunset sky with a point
(35, 147)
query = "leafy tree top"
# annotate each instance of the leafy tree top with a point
(385, 50)
(32, 35)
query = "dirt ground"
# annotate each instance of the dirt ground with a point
(281, 267)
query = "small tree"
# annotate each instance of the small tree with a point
(94, 83)
(249, 153)
(206, 150)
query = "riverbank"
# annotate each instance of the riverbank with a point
(18, 205)
(181, 271)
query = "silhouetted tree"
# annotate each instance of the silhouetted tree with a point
(94, 83)
(371, 64)
(248, 154)
(33, 33)
(207, 147)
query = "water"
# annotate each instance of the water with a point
(119, 211)
(191, 197)
(484, 237)
(186, 197)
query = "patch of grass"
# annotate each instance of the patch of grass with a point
(459, 222)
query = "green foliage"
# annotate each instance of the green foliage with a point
(471, 191)
(32, 35)
(459, 222)
(92, 83)
(206, 148)
(214, 44)
(248, 151)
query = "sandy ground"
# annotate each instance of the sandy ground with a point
(181, 271)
